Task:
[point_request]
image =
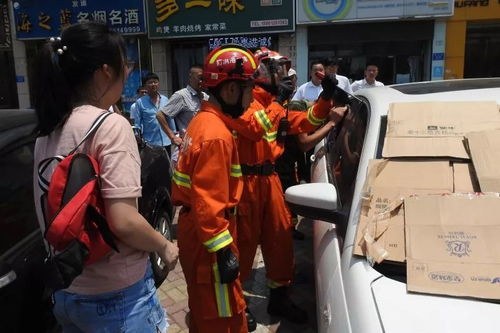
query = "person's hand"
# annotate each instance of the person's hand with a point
(228, 264)
(337, 113)
(177, 141)
(285, 90)
(329, 82)
(169, 255)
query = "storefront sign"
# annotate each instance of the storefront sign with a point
(175, 18)
(46, 18)
(5, 39)
(472, 3)
(246, 41)
(309, 11)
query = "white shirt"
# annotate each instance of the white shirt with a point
(308, 91)
(363, 84)
(344, 83)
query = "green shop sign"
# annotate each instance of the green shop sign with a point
(193, 18)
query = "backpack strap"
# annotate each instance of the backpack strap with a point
(43, 183)
(95, 125)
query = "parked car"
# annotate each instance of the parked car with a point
(352, 295)
(24, 305)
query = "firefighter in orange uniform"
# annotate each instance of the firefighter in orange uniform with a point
(207, 183)
(263, 216)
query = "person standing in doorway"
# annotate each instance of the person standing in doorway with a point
(371, 72)
(141, 91)
(145, 116)
(183, 106)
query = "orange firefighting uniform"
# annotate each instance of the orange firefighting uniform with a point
(207, 183)
(263, 216)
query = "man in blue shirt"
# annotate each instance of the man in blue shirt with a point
(145, 113)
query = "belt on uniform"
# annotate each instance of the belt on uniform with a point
(229, 211)
(265, 169)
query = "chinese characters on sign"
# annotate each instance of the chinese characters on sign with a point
(5, 40)
(45, 18)
(248, 42)
(175, 18)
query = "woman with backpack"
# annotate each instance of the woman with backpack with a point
(78, 77)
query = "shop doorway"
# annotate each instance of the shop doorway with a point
(184, 55)
(482, 50)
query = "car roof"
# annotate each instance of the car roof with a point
(449, 90)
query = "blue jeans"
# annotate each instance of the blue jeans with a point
(132, 309)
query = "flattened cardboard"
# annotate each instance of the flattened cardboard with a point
(464, 178)
(436, 129)
(485, 151)
(387, 183)
(452, 245)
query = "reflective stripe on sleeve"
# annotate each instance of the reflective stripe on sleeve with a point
(263, 120)
(219, 241)
(270, 136)
(181, 179)
(221, 294)
(312, 119)
(236, 170)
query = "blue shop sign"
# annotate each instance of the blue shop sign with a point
(36, 19)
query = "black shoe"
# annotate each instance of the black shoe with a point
(251, 322)
(281, 305)
(297, 235)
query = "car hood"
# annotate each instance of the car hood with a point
(401, 311)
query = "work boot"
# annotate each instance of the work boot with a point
(251, 322)
(281, 305)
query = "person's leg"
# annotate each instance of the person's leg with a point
(61, 314)
(277, 250)
(211, 303)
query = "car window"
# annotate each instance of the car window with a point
(17, 210)
(344, 146)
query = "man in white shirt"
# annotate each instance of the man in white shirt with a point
(369, 81)
(331, 67)
(310, 90)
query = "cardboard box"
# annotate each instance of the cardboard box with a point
(436, 129)
(464, 178)
(380, 232)
(485, 151)
(452, 245)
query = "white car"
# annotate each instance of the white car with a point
(353, 296)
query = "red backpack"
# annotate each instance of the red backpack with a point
(76, 230)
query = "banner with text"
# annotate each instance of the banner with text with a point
(310, 11)
(36, 19)
(184, 18)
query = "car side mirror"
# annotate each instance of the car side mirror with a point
(317, 201)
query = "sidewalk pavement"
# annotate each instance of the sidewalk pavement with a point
(173, 292)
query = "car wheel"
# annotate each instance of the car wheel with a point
(164, 226)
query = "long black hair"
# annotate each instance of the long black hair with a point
(65, 67)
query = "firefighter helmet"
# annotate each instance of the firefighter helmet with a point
(228, 62)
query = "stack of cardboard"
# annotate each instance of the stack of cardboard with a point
(427, 171)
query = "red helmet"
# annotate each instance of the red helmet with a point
(265, 54)
(228, 62)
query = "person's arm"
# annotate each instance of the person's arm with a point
(308, 141)
(164, 124)
(133, 230)
(138, 115)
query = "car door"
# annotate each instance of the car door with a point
(336, 162)
(21, 247)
